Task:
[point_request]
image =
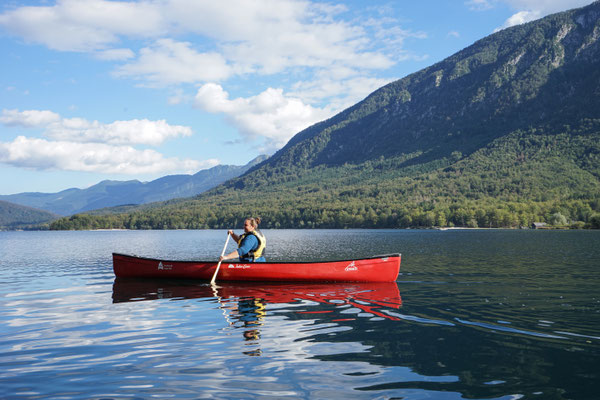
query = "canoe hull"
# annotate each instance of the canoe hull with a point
(375, 269)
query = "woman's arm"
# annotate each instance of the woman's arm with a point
(234, 236)
(233, 254)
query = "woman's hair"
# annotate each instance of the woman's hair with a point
(254, 221)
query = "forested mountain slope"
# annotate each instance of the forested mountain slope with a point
(15, 216)
(503, 133)
(544, 74)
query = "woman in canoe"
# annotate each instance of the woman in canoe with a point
(251, 243)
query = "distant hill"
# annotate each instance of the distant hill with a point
(501, 134)
(114, 193)
(15, 216)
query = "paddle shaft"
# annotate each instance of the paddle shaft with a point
(212, 281)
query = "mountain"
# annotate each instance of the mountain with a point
(544, 74)
(113, 193)
(15, 216)
(504, 133)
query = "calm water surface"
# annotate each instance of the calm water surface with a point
(475, 314)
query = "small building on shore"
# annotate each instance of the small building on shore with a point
(538, 225)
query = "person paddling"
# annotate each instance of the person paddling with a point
(251, 244)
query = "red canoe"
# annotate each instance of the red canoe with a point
(374, 269)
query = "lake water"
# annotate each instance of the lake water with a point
(475, 314)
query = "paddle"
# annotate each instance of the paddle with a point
(212, 281)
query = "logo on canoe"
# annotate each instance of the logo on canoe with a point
(238, 266)
(351, 267)
(165, 267)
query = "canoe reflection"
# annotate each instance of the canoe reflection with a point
(366, 296)
(244, 305)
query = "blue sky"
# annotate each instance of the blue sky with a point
(97, 89)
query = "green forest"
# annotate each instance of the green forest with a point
(14, 216)
(512, 183)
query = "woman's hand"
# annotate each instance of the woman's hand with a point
(229, 256)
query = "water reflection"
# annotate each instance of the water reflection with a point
(248, 314)
(244, 305)
(368, 297)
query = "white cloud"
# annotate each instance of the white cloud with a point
(171, 62)
(41, 154)
(267, 37)
(270, 114)
(341, 89)
(520, 18)
(115, 54)
(28, 118)
(526, 10)
(272, 35)
(84, 25)
(134, 131)
(252, 37)
(235, 19)
(81, 145)
(530, 10)
(305, 45)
